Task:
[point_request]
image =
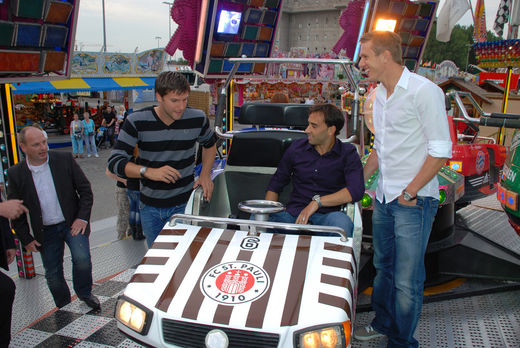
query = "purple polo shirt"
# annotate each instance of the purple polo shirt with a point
(312, 174)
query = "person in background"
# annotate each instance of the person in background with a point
(89, 132)
(59, 198)
(10, 209)
(109, 121)
(411, 144)
(76, 136)
(123, 205)
(132, 191)
(120, 117)
(166, 136)
(280, 98)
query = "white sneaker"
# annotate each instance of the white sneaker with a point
(88, 155)
(96, 155)
(366, 333)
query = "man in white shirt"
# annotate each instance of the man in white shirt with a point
(59, 198)
(412, 142)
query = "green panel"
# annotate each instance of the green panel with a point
(410, 64)
(30, 8)
(250, 32)
(232, 50)
(272, 3)
(6, 33)
(426, 10)
(215, 66)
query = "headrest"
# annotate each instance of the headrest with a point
(282, 115)
(260, 149)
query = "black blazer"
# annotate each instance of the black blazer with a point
(6, 241)
(72, 187)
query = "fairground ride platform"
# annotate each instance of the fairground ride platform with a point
(480, 313)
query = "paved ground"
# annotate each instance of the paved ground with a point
(102, 186)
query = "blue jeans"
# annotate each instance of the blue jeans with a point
(153, 219)
(77, 145)
(134, 218)
(53, 246)
(335, 218)
(90, 144)
(400, 235)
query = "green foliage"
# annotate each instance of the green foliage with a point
(459, 49)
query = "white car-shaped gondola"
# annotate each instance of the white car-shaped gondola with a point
(216, 278)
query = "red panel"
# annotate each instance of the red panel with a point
(499, 78)
(12, 61)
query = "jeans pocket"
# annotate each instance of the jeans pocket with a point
(419, 203)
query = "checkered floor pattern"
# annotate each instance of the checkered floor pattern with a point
(77, 325)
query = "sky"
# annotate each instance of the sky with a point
(129, 24)
(132, 24)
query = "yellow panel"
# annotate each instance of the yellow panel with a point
(68, 84)
(129, 81)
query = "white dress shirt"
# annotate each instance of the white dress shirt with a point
(44, 184)
(409, 125)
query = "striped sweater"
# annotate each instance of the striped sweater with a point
(160, 145)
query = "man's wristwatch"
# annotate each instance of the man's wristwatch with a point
(316, 198)
(408, 197)
(142, 171)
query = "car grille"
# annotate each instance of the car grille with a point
(193, 335)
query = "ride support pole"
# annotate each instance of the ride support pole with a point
(9, 157)
(501, 131)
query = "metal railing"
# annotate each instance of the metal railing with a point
(252, 226)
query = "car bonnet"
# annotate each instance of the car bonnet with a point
(268, 281)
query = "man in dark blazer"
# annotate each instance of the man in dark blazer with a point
(10, 209)
(59, 198)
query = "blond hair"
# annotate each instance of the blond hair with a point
(385, 41)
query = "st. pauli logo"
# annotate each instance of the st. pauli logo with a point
(234, 282)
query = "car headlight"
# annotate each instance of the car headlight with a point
(331, 336)
(130, 314)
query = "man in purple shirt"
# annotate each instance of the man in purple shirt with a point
(325, 173)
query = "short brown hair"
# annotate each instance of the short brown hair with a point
(385, 40)
(331, 114)
(168, 81)
(279, 98)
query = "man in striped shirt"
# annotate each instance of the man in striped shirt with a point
(165, 135)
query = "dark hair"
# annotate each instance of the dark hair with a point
(332, 115)
(168, 81)
(385, 40)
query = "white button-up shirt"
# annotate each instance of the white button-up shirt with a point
(44, 184)
(409, 125)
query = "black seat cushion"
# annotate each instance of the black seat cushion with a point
(276, 115)
(260, 148)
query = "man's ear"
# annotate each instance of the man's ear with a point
(387, 56)
(332, 130)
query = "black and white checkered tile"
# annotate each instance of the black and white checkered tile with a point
(77, 325)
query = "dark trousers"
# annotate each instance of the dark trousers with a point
(52, 249)
(7, 289)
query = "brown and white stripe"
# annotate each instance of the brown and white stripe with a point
(310, 278)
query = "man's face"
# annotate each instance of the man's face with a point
(371, 65)
(317, 130)
(173, 104)
(35, 146)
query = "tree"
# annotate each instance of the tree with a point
(459, 49)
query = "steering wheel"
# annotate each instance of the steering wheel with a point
(261, 208)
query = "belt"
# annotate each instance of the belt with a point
(55, 225)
